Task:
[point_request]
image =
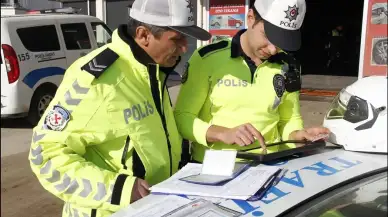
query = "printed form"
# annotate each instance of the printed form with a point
(242, 187)
(175, 206)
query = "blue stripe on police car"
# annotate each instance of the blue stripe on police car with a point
(36, 75)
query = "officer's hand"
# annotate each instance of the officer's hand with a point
(140, 189)
(310, 134)
(243, 135)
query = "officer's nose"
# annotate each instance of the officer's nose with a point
(272, 49)
(183, 45)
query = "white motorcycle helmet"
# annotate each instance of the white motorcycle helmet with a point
(357, 117)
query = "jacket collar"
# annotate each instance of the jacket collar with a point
(140, 55)
(235, 48)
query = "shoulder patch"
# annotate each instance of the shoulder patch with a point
(212, 47)
(279, 85)
(101, 62)
(57, 118)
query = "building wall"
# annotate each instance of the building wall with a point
(39, 4)
(116, 13)
(83, 6)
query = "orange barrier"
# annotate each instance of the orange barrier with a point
(326, 93)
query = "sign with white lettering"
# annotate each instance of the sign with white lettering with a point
(226, 17)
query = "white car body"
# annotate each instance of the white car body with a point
(42, 59)
(311, 179)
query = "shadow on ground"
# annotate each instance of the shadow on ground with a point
(20, 123)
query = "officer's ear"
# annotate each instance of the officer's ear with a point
(251, 18)
(142, 35)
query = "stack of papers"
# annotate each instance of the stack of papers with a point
(154, 208)
(174, 206)
(249, 184)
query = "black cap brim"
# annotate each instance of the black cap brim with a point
(193, 31)
(287, 40)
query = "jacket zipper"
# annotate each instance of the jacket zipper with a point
(124, 156)
(165, 125)
(152, 69)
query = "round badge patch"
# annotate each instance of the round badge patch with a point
(57, 118)
(185, 73)
(279, 85)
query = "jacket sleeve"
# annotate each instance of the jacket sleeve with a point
(290, 117)
(61, 163)
(192, 96)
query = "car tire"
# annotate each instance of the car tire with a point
(379, 52)
(39, 103)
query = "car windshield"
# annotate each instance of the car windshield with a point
(363, 198)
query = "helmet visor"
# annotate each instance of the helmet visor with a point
(348, 107)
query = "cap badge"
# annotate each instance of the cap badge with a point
(292, 13)
(190, 6)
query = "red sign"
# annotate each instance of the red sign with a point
(374, 60)
(226, 18)
(227, 10)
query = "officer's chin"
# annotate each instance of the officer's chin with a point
(171, 62)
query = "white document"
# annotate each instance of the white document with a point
(219, 162)
(156, 208)
(242, 187)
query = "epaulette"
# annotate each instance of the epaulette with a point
(212, 47)
(101, 62)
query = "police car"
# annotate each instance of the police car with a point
(347, 179)
(36, 49)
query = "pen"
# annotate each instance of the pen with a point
(279, 143)
(280, 176)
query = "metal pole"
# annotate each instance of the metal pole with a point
(88, 4)
(100, 10)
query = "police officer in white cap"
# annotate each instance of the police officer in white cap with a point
(244, 92)
(109, 133)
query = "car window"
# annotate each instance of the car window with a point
(102, 33)
(39, 38)
(76, 36)
(364, 198)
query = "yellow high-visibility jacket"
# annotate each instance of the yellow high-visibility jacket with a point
(104, 128)
(221, 88)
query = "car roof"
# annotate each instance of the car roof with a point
(33, 17)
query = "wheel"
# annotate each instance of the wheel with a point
(39, 103)
(380, 52)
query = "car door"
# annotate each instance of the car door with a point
(101, 33)
(76, 38)
(39, 52)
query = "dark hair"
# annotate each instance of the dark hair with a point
(156, 31)
(258, 18)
